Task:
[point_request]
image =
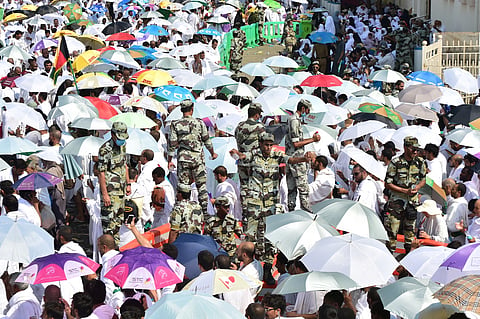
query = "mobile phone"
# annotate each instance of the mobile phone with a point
(130, 218)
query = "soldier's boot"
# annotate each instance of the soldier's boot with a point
(267, 274)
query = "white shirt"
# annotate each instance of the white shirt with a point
(366, 194)
(255, 271)
(109, 285)
(308, 302)
(472, 190)
(436, 227)
(322, 187)
(456, 212)
(455, 172)
(27, 212)
(23, 305)
(226, 189)
(436, 170)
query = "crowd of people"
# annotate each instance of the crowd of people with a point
(187, 180)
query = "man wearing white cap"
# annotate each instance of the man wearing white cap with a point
(432, 224)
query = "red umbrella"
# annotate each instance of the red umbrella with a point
(105, 49)
(321, 80)
(134, 77)
(105, 110)
(121, 36)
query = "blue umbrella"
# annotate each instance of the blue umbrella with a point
(173, 93)
(209, 31)
(425, 77)
(154, 30)
(323, 37)
(189, 245)
(98, 8)
(142, 48)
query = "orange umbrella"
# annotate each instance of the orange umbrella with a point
(155, 78)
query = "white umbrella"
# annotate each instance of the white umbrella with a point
(91, 123)
(353, 103)
(314, 281)
(450, 97)
(420, 93)
(416, 111)
(185, 77)
(15, 145)
(229, 123)
(383, 135)
(280, 80)
(183, 27)
(137, 141)
(256, 68)
(280, 62)
(99, 67)
(224, 9)
(95, 80)
(222, 146)
(388, 76)
(366, 261)
(367, 161)
(332, 116)
(83, 146)
(220, 281)
(151, 15)
(200, 111)
(425, 260)
(120, 57)
(15, 52)
(318, 106)
(192, 6)
(192, 49)
(424, 135)
(347, 88)
(465, 137)
(166, 64)
(35, 83)
(272, 99)
(18, 114)
(361, 129)
(146, 102)
(222, 106)
(461, 80)
(376, 95)
(300, 76)
(36, 20)
(211, 82)
(241, 89)
(296, 232)
(217, 20)
(74, 44)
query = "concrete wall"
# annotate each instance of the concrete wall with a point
(419, 7)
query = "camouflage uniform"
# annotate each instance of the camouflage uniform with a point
(236, 50)
(187, 137)
(404, 48)
(401, 207)
(289, 38)
(247, 134)
(112, 160)
(263, 196)
(261, 21)
(187, 217)
(296, 173)
(224, 231)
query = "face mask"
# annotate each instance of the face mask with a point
(120, 142)
(350, 167)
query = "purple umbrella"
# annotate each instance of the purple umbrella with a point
(462, 262)
(44, 44)
(35, 181)
(144, 268)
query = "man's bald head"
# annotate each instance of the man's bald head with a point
(456, 160)
(247, 248)
(447, 185)
(52, 294)
(106, 243)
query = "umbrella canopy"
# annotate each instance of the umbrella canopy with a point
(354, 102)
(462, 293)
(241, 89)
(185, 77)
(183, 304)
(36, 180)
(120, 57)
(464, 114)
(361, 117)
(314, 281)
(211, 82)
(173, 93)
(387, 75)
(155, 78)
(425, 77)
(105, 109)
(189, 245)
(460, 263)
(134, 120)
(450, 96)
(15, 52)
(374, 94)
(154, 30)
(461, 80)
(351, 216)
(83, 146)
(14, 145)
(419, 94)
(220, 281)
(192, 49)
(417, 111)
(369, 163)
(218, 20)
(166, 64)
(425, 135)
(465, 137)
(209, 31)
(435, 192)
(44, 44)
(57, 267)
(318, 106)
(91, 123)
(43, 10)
(151, 15)
(381, 110)
(223, 145)
(121, 36)
(146, 102)
(323, 37)
(18, 114)
(95, 80)
(296, 232)
(280, 80)
(366, 261)
(272, 99)
(360, 129)
(16, 16)
(35, 83)
(425, 260)
(281, 62)
(72, 11)
(200, 111)
(347, 88)
(321, 80)
(137, 141)
(116, 27)
(257, 69)
(437, 311)
(144, 268)
(22, 241)
(408, 296)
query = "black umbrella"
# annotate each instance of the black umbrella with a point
(278, 130)
(362, 116)
(42, 10)
(116, 27)
(28, 13)
(464, 114)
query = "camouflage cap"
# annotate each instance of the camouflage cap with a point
(411, 141)
(265, 136)
(222, 201)
(185, 105)
(120, 130)
(184, 188)
(305, 103)
(256, 106)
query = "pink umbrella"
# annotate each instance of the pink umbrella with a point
(144, 268)
(57, 267)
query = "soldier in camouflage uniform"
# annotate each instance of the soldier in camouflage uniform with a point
(295, 146)
(187, 137)
(288, 37)
(261, 21)
(236, 50)
(405, 176)
(113, 179)
(404, 46)
(247, 134)
(223, 227)
(186, 216)
(263, 194)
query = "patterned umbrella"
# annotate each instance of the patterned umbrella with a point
(381, 110)
(209, 31)
(57, 267)
(73, 12)
(323, 37)
(463, 293)
(105, 109)
(173, 93)
(154, 30)
(43, 44)
(35, 181)
(144, 268)
(98, 8)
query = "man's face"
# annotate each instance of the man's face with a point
(266, 147)
(464, 176)
(358, 175)
(19, 171)
(271, 313)
(476, 208)
(45, 53)
(48, 67)
(410, 151)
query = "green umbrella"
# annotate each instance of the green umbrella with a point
(165, 13)
(314, 281)
(133, 120)
(73, 12)
(381, 110)
(408, 296)
(273, 4)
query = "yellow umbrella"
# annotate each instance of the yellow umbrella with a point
(29, 7)
(155, 78)
(64, 32)
(92, 41)
(164, 4)
(14, 17)
(85, 59)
